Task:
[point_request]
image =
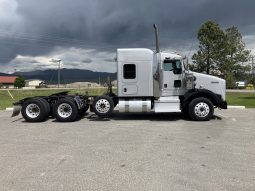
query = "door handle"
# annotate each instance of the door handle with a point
(125, 89)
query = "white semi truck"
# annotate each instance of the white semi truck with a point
(148, 81)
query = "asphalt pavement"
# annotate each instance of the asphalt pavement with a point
(129, 152)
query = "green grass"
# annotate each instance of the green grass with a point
(7, 101)
(244, 99)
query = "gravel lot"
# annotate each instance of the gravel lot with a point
(129, 152)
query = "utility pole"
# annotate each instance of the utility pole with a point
(59, 73)
(252, 66)
(59, 62)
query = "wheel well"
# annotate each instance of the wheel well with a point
(189, 96)
(53, 99)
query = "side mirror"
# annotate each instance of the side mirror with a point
(186, 64)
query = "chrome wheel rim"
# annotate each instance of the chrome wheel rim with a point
(103, 106)
(32, 110)
(202, 109)
(65, 110)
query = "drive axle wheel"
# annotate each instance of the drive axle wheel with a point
(65, 110)
(103, 106)
(201, 109)
(34, 110)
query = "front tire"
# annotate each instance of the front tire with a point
(65, 110)
(185, 111)
(201, 109)
(103, 106)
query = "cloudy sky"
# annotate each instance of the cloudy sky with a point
(86, 33)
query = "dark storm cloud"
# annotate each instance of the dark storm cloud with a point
(86, 60)
(73, 64)
(104, 25)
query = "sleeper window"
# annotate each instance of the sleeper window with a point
(129, 71)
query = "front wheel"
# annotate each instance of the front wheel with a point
(201, 109)
(103, 106)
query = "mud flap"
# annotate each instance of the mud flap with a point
(16, 110)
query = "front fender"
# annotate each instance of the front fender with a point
(215, 98)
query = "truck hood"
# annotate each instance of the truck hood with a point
(212, 83)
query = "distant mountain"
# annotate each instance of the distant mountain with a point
(3, 74)
(67, 75)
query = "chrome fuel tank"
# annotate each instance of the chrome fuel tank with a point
(134, 105)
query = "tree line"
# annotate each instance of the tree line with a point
(222, 53)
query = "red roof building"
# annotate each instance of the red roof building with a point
(7, 81)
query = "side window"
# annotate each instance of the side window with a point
(168, 66)
(129, 71)
(173, 65)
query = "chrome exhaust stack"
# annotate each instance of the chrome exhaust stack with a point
(157, 38)
(156, 75)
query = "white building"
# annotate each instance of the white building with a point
(82, 85)
(35, 83)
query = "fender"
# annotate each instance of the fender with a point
(215, 98)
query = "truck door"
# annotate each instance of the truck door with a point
(172, 77)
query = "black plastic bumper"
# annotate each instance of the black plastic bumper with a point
(223, 105)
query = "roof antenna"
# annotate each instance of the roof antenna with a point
(157, 38)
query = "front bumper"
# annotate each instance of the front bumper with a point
(223, 105)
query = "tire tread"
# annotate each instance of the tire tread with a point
(192, 114)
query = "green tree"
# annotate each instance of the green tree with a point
(211, 39)
(231, 61)
(19, 82)
(252, 80)
(221, 53)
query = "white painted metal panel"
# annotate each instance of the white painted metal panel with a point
(167, 104)
(129, 89)
(143, 60)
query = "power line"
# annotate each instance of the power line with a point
(49, 41)
(46, 44)
(30, 36)
(55, 39)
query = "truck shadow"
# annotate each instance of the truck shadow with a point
(128, 116)
(145, 116)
